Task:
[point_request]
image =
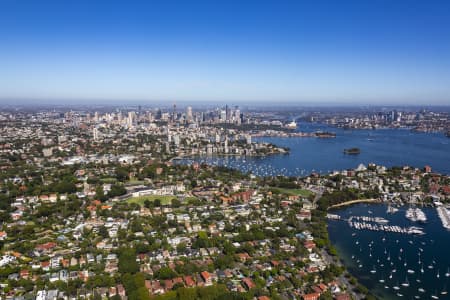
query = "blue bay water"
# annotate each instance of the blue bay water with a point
(388, 147)
(405, 252)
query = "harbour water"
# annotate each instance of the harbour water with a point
(388, 147)
(394, 265)
(390, 264)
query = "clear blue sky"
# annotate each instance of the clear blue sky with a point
(337, 51)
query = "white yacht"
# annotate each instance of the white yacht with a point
(292, 125)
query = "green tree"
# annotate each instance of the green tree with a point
(103, 231)
(224, 261)
(127, 261)
(165, 273)
(157, 202)
(122, 174)
(100, 194)
(187, 293)
(117, 190)
(175, 203)
(65, 187)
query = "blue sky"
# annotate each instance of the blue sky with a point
(368, 52)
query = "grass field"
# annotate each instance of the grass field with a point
(108, 180)
(134, 182)
(140, 200)
(187, 199)
(294, 192)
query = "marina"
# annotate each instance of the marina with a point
(376, 224)
(393, 263)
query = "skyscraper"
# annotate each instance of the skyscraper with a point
(130, 119)
(189, 114)
(223, 115)
(174, 113)
(95, 134)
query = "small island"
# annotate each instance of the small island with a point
(352, 151)
(325, 134)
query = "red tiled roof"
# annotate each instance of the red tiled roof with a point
(248, 283)
(309, 244)
(189, 281)
(148, 284)
(205, 275)
(45, 264)
(342, 297)
(46, 246)
(311, 296)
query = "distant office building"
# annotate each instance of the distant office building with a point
(47, 152)
(176, 140)
(130, 119)
(189, 114)
(158, 114)
(165, 116)
(248, 138)
(95, 134)
(223, 115)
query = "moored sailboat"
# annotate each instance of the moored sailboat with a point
(406, 283)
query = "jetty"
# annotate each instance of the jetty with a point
(376, 224)
(386, 228)
(444, 216)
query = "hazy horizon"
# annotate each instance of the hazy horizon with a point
(182, 104)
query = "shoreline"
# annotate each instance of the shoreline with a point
(189, 156)
(350, 202)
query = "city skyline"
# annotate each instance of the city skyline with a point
(316, 54)
(211, 150)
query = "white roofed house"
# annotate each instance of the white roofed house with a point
(180, 187)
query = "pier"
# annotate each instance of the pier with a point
(377, 224)
(444, 216)
(386, 228)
